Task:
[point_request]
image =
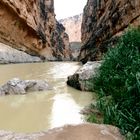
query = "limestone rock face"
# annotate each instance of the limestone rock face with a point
(80, 78)
(17, 86)
(85, 131)
(60, 43)
(103, 21)
(73, 27)
(29, 25)
(11, 55)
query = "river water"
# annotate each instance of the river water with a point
(39, 111)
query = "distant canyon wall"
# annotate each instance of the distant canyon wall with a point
(31, 26)
(103, 21)
(73, 27)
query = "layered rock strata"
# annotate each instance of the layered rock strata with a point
(30, 26)
(60, 43)
(103, 21)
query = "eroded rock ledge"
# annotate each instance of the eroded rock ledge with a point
(11, 55)
(103, 21)
(78, 132)
(31, 26)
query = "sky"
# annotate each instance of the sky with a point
(68, 8)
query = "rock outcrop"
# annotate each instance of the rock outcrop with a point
(80, 79)
(11, 55)
(30, 26)
(73, 27)
(70, 132)
(17, 86)
(60, 43)
(103, 21)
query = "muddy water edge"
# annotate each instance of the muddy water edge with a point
(40, 111)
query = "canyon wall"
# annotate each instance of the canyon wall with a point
(103, 21)
(30, 26)
(73, 27)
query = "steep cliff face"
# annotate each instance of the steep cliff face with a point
(103, 21)
(73, 27)
(60, 43)
(29, 25)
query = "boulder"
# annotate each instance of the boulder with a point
(80, 79)
(17, 86)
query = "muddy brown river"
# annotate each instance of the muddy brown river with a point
(39, 111)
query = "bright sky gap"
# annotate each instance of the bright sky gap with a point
(68, 8)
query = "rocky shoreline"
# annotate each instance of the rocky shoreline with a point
(11, 55)
(31, 26)
(80, 78)
(69, 132)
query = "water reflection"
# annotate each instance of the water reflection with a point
(65, 108)
(41, 110)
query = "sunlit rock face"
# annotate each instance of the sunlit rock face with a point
(73, 27)
(103, 21)
(80, 79)
(29, 25)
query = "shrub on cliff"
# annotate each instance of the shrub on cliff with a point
(118, 85)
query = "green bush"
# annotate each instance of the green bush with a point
(119, 79)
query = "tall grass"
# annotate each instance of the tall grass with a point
(118, 85)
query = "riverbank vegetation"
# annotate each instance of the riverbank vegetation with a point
(117, 84)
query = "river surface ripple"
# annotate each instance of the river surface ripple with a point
(39, 111)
